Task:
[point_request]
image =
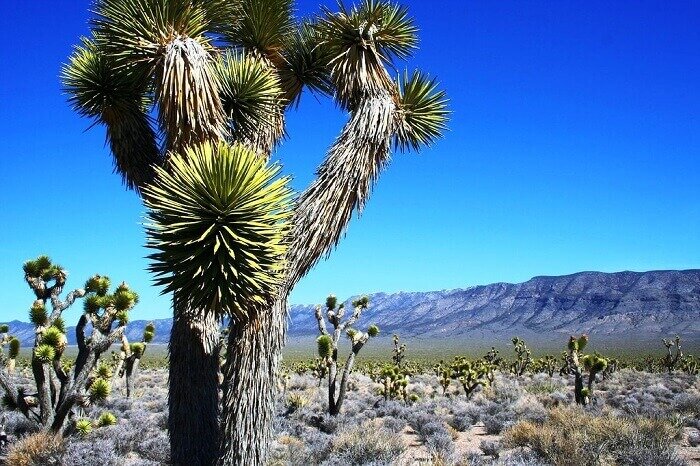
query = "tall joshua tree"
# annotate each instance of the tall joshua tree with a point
(219, 76)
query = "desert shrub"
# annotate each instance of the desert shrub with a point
(95, 452)
(574, 433)
(18, 425)
(394, 424)
(40, 449)
(687, 403)
(364, 444)
(496, 423)
(490, 448)
(694, 438)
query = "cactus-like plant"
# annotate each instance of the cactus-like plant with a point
(674, 353)
(8, 360)
(522, 356)
(327, 345)
(398, 353)
(469, 374)
(583, 366)
(689, 365)
(129, 358)
(60, 385)
(393, 382)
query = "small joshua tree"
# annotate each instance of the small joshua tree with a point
(130, 356)
(8, 360)
(328, 345)
(689, 365)
(394, 382)
(398, 352)
(581, 365)
(61, 388)
(469, 374)
(547, 364)
(674, 353)
(522, 357)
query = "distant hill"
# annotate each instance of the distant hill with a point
(622, 305)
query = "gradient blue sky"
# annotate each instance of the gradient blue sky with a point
(574, 145)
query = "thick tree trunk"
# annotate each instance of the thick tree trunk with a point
(253, 356)
(193, 398)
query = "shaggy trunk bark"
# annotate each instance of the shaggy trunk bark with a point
(193, 397)
(578, 389)
(130, 375)
(253, 356)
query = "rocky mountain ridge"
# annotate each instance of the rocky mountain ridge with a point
(622, 304)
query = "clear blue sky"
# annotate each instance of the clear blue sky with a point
(574, 145)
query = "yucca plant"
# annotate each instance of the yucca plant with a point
(60, 386)
(327, 345)
(216, 71)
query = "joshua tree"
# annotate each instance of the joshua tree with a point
(579, 364)
(217, 71)
(674, 353)
(522, 357)
(328, 345)
(13, 344)
(129, 358)
(60, 388)
(399, 351)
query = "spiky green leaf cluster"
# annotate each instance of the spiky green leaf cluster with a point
(106, 419)
(4, 328)
(83, 427)
(103, 370)
(373, 330)
(99, 390)
(360, 42)
(261, 28)
(45, 353)
(60, 324)
(43, 268)
(13, 350)
(123, 318)
(137, 349)
(97, 284)
(250, 95)
(217, 221)
(421, 114)
(117, 97)
(37, 314)
(331, 302)
(52, 336)
(324, 345)
(149, 332)
(362, 302)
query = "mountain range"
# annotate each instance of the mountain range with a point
(622, 306)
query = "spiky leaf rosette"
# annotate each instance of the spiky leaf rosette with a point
(217, 220)
(83, 426)
(115, 97)
(421, 112)
(324, 344)
(261, 28)
(13, 350)
(373, 330)
(167, 41)
(99, 390)
(106, 419)
(4, 328)
(250, 95)
(305, 64)
(361, 41)
(37, 314)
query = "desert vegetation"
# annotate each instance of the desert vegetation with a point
(469, 411)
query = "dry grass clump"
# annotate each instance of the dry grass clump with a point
(572, 436)
(41, 449)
